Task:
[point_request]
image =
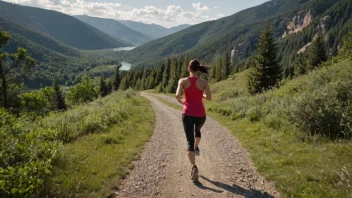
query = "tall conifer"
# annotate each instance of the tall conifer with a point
(267, 71)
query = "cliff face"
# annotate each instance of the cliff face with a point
(240, 51)
(322, 27)
(302, 20)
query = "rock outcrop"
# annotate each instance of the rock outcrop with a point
(298, 23)
(324, 25)
(240, 51)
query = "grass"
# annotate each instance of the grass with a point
(300, 163)
(94, 164)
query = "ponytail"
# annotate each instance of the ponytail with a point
(195, 66)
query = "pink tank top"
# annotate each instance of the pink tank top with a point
(193, 105)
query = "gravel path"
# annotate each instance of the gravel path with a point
(163, 169)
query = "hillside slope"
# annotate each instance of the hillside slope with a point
(62, 27)
(115, 29)
(209, 39)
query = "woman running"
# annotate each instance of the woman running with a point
(193, 113)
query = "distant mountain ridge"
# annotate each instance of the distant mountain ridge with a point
(62, 27)
(153, 30)
(115, 29)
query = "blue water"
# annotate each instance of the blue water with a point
(125, 65)
(123, 49)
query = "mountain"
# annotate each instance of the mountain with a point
(152, 30)
(178, 28)
(239, 33)
(61, 27)
(116, 29)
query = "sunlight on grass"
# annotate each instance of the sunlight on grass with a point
(94, 164)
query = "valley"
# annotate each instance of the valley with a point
(88, 108)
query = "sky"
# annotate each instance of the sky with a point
(168, 13)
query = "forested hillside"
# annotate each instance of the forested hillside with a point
(59, 26)
(116, 30)
(32, 29)
(238, 33)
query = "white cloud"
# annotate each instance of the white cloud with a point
(199, 7)
(216, 7)
(171, 16)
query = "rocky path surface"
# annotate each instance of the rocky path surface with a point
(163, 169)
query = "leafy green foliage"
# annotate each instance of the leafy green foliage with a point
(83, 92)
(26, 155)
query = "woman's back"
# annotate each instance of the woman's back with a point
(193, 91)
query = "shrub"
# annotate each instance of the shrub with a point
(26, 156)
(326, 112)
(254, 114)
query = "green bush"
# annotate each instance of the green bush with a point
(30, 144)
(254, 114)
(327, 111)
(26, 155)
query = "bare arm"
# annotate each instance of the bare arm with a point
(179, 91)
(207, 94)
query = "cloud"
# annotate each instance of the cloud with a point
(173, 15)
(216, 7)
(199, 7)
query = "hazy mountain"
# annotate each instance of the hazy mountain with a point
(152, 30)
(116, 29)
(61, 27)
(300, 20)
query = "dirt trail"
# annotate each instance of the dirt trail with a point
(164, 171)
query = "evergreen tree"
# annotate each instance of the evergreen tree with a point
(117, 80)
(225, 67)
(59, 98)
(266, 72)
(172, 84)
(317, 52)
(13, 68)
(110, 87)
(166, 74)
(124, 83)
(159, 75)
(217, 69)
(103, 89)
(184, 69)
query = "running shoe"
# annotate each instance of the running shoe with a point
(197, 151)
(194, 173)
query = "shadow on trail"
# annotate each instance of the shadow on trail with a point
(232, 189)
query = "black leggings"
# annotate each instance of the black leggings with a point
(192, 126)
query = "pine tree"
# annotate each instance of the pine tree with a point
(267, 71)
(103, 89)
(217, 69)
(317, 52)
(172, 84)
(184, 69)
(60, 98)
(166, 74)
(225, 67)
(159, 75)
(13, 68)
(117, 80)
(124, 83)
(110, 87)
